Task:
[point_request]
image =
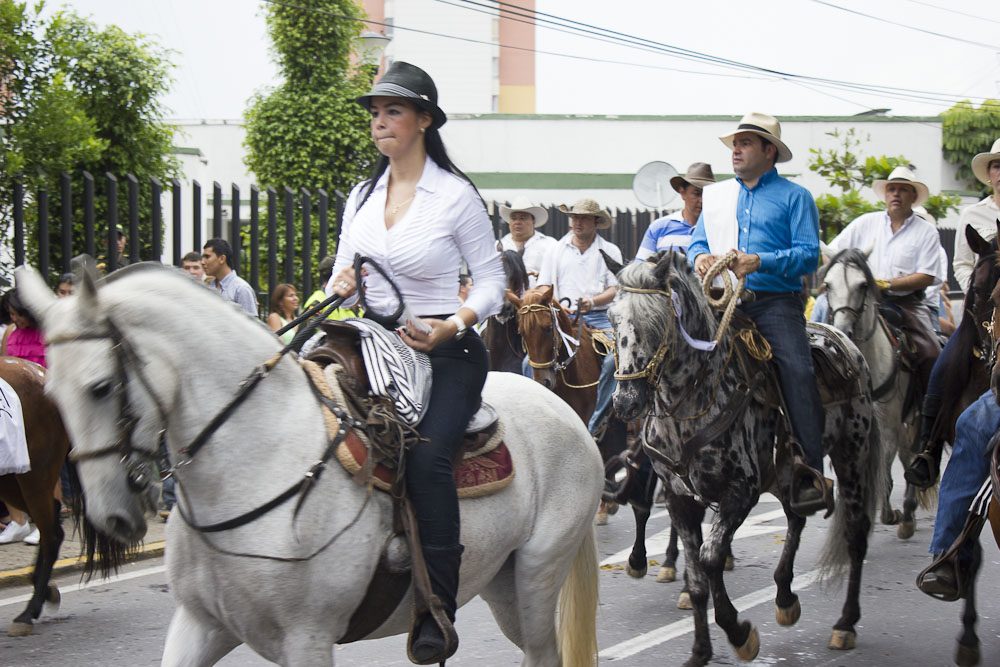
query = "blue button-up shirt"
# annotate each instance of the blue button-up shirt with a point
(778, 221)
(237, 290)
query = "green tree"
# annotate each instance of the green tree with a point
(309, 131)
(79, 97)
(965, 131)
(843, 167)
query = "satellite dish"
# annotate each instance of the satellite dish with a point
(651, 185)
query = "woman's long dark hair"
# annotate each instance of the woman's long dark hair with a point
(434, 146)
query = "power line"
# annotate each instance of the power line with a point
(953, 11)
(716, 60)
(991, 47)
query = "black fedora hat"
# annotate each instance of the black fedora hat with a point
(408, 82)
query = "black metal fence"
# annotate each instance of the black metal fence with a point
(260, 225)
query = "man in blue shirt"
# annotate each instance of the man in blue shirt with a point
(773, 225)
(673, 232)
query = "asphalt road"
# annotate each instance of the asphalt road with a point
(123, 621)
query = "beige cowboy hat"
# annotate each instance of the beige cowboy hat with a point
(902, 174)
(522, 205)
(698, 174)
(588, 206)
(762, 125)
(981, 163)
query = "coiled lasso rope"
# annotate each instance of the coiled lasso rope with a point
(753, 342)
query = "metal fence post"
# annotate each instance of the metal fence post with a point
(234, 226)
(216, 210)
(19, 240)
(175, 205)
(43, 232)
(289, 235)
(66, 208)
(112, 238)
(255, 237)
(324, 224)
(196, 215)
(89, 244)
(133, 218)
(156, 224)
(306, 242)
(272, 239)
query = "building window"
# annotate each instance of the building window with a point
(496, 68)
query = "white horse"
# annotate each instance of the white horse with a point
(853, 298)
(171, 354)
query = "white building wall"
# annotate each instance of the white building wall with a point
(465, 73)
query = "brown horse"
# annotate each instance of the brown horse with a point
(561, 355)
(31, 492)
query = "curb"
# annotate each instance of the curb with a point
(21, 576)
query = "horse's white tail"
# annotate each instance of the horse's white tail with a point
(578, 608)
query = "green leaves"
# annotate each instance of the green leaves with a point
(965, 131)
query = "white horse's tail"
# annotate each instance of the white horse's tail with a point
(578, 608)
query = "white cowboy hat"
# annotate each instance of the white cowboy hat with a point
(902, 174)
(522, 205)
(981, 163)
(762, 125)
(588, 206)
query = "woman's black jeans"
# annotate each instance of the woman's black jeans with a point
(459, 372)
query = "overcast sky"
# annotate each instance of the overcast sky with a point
(221, 53)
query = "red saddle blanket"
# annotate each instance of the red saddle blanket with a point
(476, 476)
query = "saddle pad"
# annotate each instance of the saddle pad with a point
(395, 370)
(13, 444)
(484, 474)
(832, 359)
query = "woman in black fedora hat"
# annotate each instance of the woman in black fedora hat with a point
(419, 217)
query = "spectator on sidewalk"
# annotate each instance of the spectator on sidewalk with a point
(217, 259)
(284, 308)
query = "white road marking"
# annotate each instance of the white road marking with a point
(657, 544)
(91, 584)
(682, 627)
(764, 498)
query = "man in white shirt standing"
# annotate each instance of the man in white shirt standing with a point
(576, 270)
(904, 258)
(524, 219)
(982, 215)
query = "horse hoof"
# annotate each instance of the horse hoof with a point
(684, 600)
(729, 564)
(612, 508)
(666, 575)
(53, 597)
(967, 656)
(906, 529)
(635, 573)
(788, 615)
(18, 629)
(891, 519)
(751, 647)
(843, 640)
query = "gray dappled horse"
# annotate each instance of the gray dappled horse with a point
(691, 390)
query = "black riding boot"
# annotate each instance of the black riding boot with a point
(431, 645)
(923, 470)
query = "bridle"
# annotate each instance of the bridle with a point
(857, 312)
(654, 367)
(570, 344)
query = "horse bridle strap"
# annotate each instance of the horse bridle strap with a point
(571, 344)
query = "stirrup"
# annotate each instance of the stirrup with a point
(931, 583)
(436, 615)
(910, 474)
(802, 472)
(620, 494)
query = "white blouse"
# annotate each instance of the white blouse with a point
(422, 252)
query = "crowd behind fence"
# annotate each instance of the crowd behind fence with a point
(260, 228)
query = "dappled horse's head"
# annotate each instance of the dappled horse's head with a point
(538, 321)
(645, 323)
(851, 293)
(113, 418)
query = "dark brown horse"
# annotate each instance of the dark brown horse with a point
(501, 336)
(32, 491)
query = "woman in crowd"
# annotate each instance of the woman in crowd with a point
(284, 308)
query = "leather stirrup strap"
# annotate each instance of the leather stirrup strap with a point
(950, 558)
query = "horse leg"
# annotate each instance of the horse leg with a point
(46, 517)
(686, 514)
(535, 573)
(192, 642)
(855, 531)
(668, 572)
(787, 609)
(501, 595)
(967, 651)
(889, 516)
(908, 524)
(741, 634)
(637, 562)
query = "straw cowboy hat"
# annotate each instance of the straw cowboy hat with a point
(411, 83)
(902, 174)
(981, 163)
(588, 206)
(762, 125)
(522, 205)
(699, 175)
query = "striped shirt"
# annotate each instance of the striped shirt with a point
(667, 233)
(423, 251)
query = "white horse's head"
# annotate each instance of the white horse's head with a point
(115, 401)
(850, 291)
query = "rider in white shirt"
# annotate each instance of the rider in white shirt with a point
(524, 220)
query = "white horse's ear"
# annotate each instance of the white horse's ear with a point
(868, 251)
(85, 270)
(826, 251)
(34, 293)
